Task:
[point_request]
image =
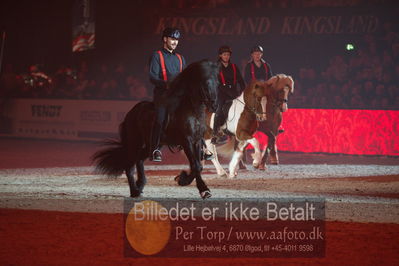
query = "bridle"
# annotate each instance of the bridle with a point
(251, 108)
(277, 102)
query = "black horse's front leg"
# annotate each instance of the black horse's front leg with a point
(141, 178)
(134, 191)
(185, 179)
(193, 152)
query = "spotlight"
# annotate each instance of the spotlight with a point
(350, 47)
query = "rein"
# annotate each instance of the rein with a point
(276, 102)
(251, 109)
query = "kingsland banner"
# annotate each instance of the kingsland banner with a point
(266, 22)
(291, 37)
(240, 23)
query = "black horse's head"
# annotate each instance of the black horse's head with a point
(210, 72)
(199, 81)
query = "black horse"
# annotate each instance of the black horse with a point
(192, 92)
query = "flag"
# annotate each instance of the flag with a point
(83, 26)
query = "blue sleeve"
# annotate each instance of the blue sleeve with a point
(183, 61)
(156, 71)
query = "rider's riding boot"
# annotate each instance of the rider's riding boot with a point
(155, 153)
(156, 133)
(156, 156)
(207, 155)
(216, 127)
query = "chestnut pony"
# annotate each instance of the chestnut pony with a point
(261, 101)
(279, 87)
(241, 125)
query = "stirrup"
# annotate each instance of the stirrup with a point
(219, 140)
(156, 156)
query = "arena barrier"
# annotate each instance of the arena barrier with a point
(368, 132)
(64, 119)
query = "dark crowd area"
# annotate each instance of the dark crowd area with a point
(364, 76)
(89, 82)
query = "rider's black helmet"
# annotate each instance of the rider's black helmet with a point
(225, 49)
(257, 48)
(171, 32)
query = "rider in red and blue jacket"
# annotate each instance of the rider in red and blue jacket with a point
(165, 64)
(231, 86)
(258, 69)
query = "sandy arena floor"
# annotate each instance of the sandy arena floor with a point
(55, 210)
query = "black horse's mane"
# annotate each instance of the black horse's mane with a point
(188, 82)
(185, 88)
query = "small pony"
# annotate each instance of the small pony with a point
(242, 123)
(261, 101)
(279, 87)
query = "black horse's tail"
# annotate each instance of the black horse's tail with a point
(120, 154)
(111, 161)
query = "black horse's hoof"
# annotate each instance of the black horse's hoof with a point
(183, 179)
(135, 194)
(205, 194)
(182, 182)
(140, 186)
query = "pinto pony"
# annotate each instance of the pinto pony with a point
(278, 89)
(192, 92)
(242, 123)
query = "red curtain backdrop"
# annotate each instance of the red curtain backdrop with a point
(360, 132)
